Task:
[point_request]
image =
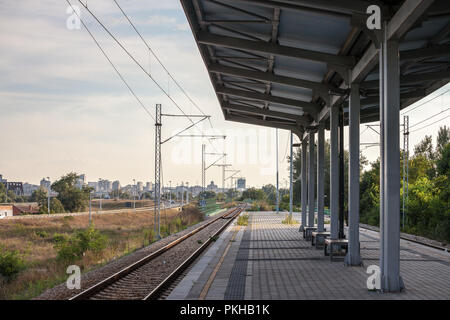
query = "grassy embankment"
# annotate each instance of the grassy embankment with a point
(35, 241)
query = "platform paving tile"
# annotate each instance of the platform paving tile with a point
(271, 260)
(284, 266)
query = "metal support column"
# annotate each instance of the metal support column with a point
(341, 174)
(277, 177)
(291, 188)
(157, 170)
(391, 280)
(334, 173)
(320, 176)
(353, 257)
(304, 197)
(311, 181)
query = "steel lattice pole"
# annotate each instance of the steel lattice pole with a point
(157, 170)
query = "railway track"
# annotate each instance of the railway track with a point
(410, 238)
(149, 277)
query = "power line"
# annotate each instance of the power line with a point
(430, 124)
(157, 58)
(139, 65)
(134, 59)
(429, 117)
(425, 102)
(111, 63)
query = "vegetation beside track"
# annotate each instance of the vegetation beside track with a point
(35, 253)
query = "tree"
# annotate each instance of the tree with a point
(442, 140)
(443, 162)
(425, 148)
(253, 194)
(56, 206)
(71, 197)
(270, 192)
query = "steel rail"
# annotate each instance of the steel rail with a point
(167, 281)
(411, 240)
(125, 271)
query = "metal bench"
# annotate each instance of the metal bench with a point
(335, 247)
(307, 232)
(318, 238)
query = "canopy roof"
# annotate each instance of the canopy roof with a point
(276, 62)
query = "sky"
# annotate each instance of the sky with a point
(64, 109)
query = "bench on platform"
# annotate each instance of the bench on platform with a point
(307, 232)
(335, 247)
(318, 238)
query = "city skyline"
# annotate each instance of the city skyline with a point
(75, 114)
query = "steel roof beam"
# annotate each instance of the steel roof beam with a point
(266, 112)
(272, 48)
(265, 123)
(430, 52)
(406, 16)
(411, 78)
(308, 107)
(271, 78)
(331, 7)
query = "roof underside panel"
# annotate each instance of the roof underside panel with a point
(275, 62)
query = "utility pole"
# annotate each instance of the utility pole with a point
(157, 171)
(291, 189)
(48, 195)
(170, 194)
(90, 207)
(100, 199)
(187, 192)
(182, 194)
(405, 165)
(134, 194)
(278, 192)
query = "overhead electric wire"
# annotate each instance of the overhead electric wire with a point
(134, 59)
(429, 124)
(162, 64)
(138, 64)
(423, 103)
(111, 63)
(429, 118)
(157, 58)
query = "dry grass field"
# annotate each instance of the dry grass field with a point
(34, 239)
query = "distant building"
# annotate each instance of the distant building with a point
(148, 187)
(81, 181)
(104, 186)
(45, 184)
(116, 185)
(28, 189)
(10, 210)
(241, 183)
(140, 186)
(212, 187)
(93, 185)
(195, 190)
(6, 211)
(15, 187)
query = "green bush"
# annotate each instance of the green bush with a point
(10, 263)
(289, 220)
(242, 220)
(60, 237)
(42, 234)
(77, 245)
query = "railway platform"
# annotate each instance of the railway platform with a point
(268, 260)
